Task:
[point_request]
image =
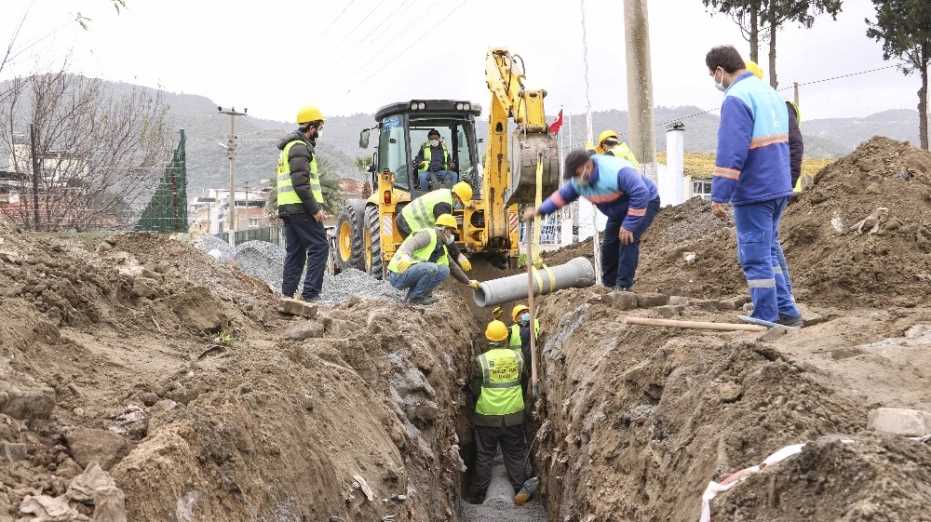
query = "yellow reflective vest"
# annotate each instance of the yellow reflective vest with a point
(621, 150)
(501, 392)
(286, 193)
(428, 156)
(419, 213)
(514, 341)
(434, 252)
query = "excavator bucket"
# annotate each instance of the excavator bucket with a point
(526, 150)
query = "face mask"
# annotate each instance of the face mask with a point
(585, 178)
(448, 237)
(435, 143)
(524, 318)
(719, 85)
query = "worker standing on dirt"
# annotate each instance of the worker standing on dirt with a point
(433, 159)
(752, 173)
(422, 262)
(796, 144)
(300, 206)
(519, 338)
(423, 212)
(609, 143)
(499, 378)
(620, 191)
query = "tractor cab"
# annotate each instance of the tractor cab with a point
(402, 136)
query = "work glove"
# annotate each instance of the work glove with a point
(464, 262)
(474, 284)
(404, 263)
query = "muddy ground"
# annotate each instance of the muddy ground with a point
(200, 401)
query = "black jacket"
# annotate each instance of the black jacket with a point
(299, 158)
(796, 146)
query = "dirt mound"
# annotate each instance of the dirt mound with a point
(861, 235)
(854, 479)
(640, 419)
(176, 374)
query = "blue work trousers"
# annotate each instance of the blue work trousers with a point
(446, 177)
(763, 261)
(619, 261)
(419, 280)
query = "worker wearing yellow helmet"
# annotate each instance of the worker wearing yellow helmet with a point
(796, 144)
(422, 262)
(422, 212)
(499, 378)
(519, 338)
(300, 206)
(609, 143)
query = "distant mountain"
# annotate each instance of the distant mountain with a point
(257, 153)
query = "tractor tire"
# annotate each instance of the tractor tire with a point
(350, 242)
(375, 265)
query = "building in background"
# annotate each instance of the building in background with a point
(208, 212)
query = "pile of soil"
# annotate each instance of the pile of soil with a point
(639, 419)
(179, 377)
(689, 252)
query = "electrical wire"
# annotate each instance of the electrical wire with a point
(374, 32)
(332, 23)
(409, 47)
(366, 17)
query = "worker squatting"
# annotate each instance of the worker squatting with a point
(756, 167)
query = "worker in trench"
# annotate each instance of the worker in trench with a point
(300, 206)
(610, 144)
(422, 213)
(519, 336)
(433, 160)
(621, 192)
(499, 381)
(422, 262)
(752, 175)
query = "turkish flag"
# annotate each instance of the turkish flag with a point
(556, 125)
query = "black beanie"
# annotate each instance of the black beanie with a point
(574, 160)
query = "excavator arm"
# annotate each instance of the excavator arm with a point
(511, 159)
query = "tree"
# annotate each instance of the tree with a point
(904, 28)
(333, 196)
(761, 19)
(96, 153)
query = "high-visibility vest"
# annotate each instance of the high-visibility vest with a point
(501, 390)
(286, 193)
(621, 150)
(419, 213)
(428, 156)
(514, 341)
(434, 252)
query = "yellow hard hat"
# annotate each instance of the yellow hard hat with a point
(463, 191)
(755, 69)
(517, 310)
(496, 331)
(605, 134)
(446, 220)
(309, 113)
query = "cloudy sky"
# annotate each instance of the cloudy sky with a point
(353, 56)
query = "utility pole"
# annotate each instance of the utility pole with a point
(36, 165)
(640, 85)
(231, 155)
(590, 139)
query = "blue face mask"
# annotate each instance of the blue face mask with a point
(524, 318)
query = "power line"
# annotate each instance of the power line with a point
(326, 30)
(393, 15)
(412, 44)
(366, 17)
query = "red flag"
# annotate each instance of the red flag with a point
(556, 125)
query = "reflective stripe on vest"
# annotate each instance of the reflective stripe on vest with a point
(515, 341)
(434, 252)
(286, 192)
(428, 156)
(419, 213)
(501, 390)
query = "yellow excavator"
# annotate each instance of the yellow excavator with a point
(366, 235)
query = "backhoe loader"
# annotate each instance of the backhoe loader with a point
(366, 235)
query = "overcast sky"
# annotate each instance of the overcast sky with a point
(275, 55)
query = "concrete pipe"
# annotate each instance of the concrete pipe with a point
(577, 273)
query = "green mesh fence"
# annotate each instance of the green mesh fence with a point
(167, 210)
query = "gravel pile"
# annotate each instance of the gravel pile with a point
(215, 248)
(265, 261)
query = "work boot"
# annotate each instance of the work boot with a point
(527, 489)
(791, 322)
(425, 301)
